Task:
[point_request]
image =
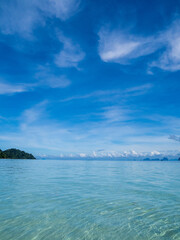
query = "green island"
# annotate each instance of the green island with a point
(14, 153)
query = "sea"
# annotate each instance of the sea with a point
(89, 200)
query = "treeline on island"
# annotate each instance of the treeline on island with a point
(14, 153)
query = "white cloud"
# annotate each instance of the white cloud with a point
(111, 95)
(23, 16)
(33, 114)
(95, 94)
(116, 114)
(17, 16)
(60, 8)
(7, 88)
(70, 55)
(83, 155)
(128, 155)
(58, 82)
(116, 46)
(114, 133)
(155, 153)
(170, 58)
(138, 90)
(46, 78)
(119, 47)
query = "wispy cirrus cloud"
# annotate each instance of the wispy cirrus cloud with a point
(19, 17)
(123, 48)
(23, 16)
(113, 94)
(33, 114)
(95, 94)
(114, 131)
(8, 88)
(169, 60)
(114, 136)
(138, 90)
(117, 46)
(59, 8)
(70, 55)
(116, 114)
(45, 77)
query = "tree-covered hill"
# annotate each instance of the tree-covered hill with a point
(15, 154)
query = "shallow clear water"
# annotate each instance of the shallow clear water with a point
(52, 200)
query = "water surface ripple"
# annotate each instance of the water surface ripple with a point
(89, 200)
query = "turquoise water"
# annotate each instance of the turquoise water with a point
(94, 200)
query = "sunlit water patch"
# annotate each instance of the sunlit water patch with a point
(89, 200)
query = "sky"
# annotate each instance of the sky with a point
(90, 78)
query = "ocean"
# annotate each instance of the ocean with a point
(89, 200)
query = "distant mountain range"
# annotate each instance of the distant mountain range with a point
(14, 153)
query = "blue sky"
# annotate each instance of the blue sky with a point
(90, 78)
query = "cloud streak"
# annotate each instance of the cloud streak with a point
(70, 55)
(124, 48)
(170, 58)
(116, 114)
(113, 94)
(59, 8)
(23, 16)
(116, 46)
(47, 78)
(6, 88)
(44, 80)
(117, 130)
